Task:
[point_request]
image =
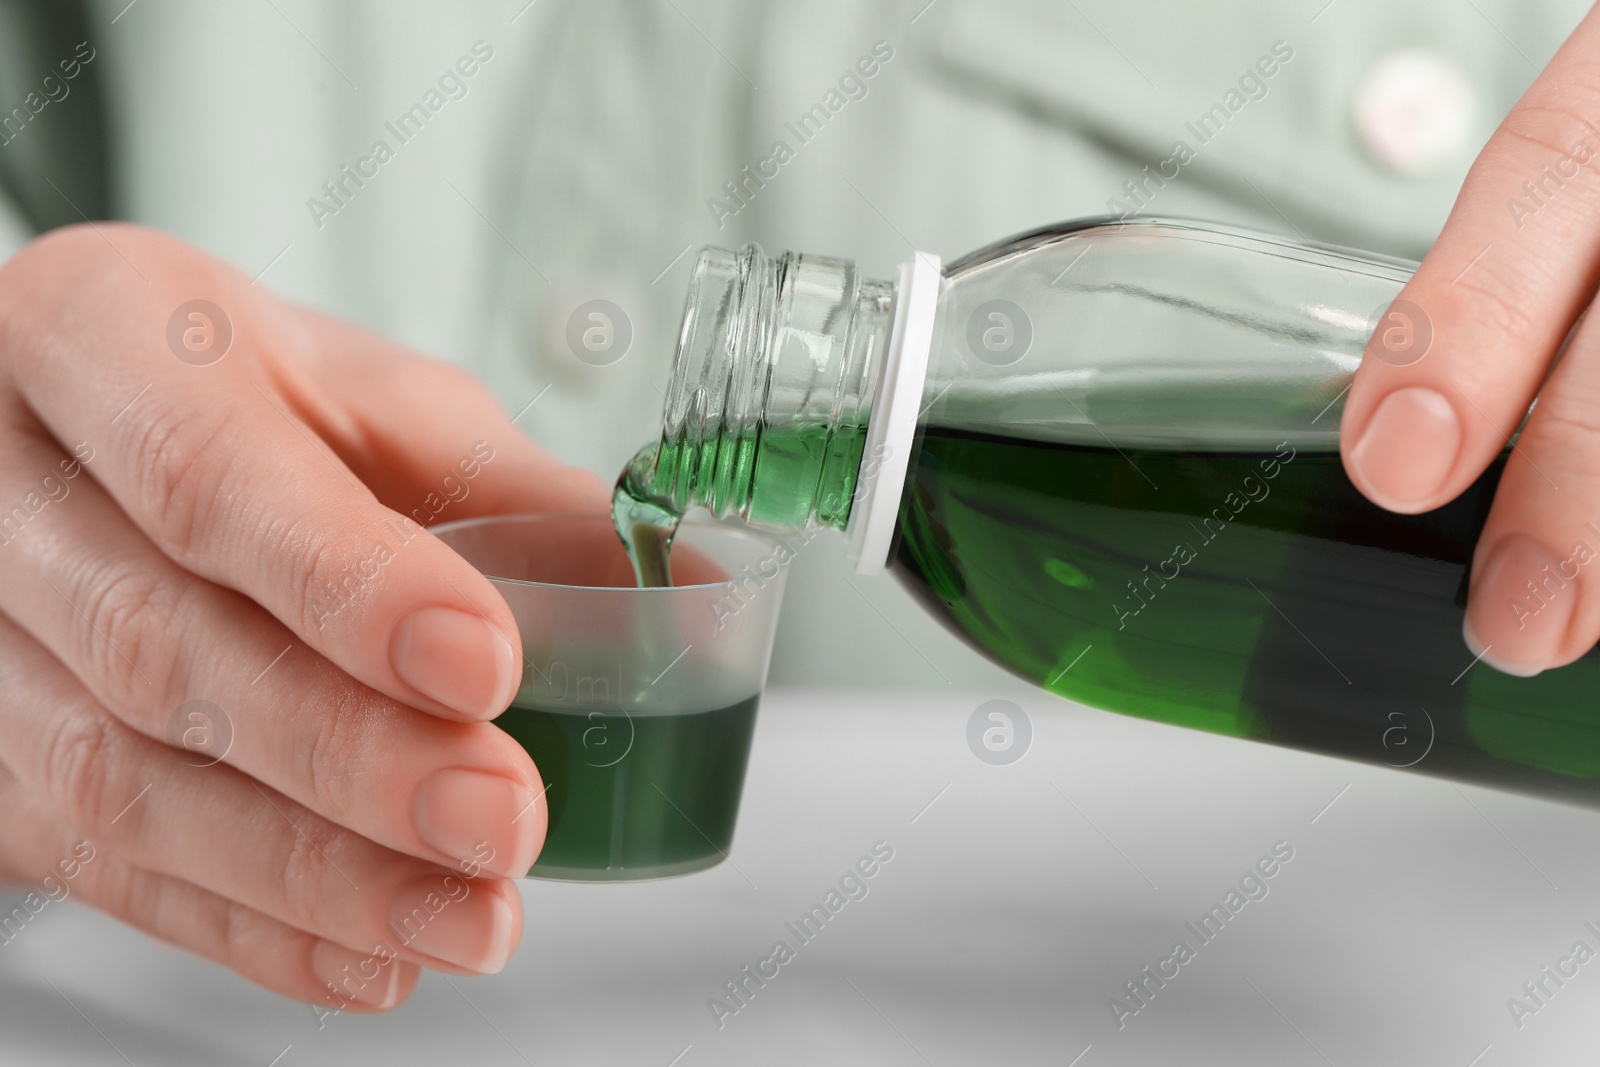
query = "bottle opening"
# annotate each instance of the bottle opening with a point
(772, 388)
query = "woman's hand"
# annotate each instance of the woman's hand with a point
(1513, 270)
(237, 674)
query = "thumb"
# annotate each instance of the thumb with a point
(426, 436)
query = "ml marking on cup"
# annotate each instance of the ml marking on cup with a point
(1401, 333)
(999, 732)
(199, 332)
(202, 730)
(599, 332)
(999, 333)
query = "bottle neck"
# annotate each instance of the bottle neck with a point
(772, 389)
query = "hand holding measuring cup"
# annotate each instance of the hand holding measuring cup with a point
(217, 513)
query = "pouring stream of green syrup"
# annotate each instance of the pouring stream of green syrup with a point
(645, 523)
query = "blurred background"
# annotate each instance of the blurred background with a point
(586, 157)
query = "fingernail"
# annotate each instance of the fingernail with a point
(1520, 607)
(1408, 448)
(469, 923)
(479, 818)
(372, 980)
(457, 659)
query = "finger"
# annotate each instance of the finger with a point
(427, 437)
(190, 663)
(1511, 271)
(1535, 589)
(56, 864)
(225, 833)
(214, 464)
(406, 443)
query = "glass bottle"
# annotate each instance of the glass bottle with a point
(1105, 454)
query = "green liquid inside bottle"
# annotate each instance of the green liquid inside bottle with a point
(781, 478)
(1096, 497)
(1252, 594)
(1255, 595)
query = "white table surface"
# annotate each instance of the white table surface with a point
(1014, 907)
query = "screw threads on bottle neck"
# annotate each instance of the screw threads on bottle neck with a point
(772, 387)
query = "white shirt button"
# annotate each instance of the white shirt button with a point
(1415, 111)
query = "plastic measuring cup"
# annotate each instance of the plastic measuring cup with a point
(637, 705)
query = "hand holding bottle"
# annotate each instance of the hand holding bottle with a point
(1472, 339)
